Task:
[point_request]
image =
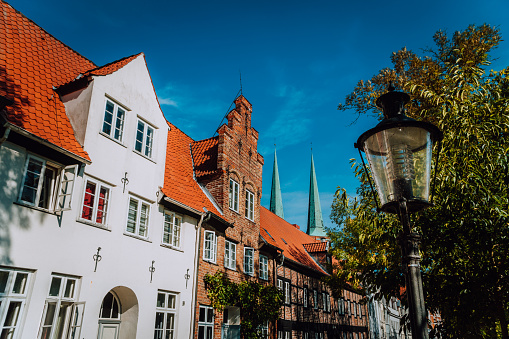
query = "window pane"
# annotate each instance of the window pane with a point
(210, 315)
(50, 313)
(170, 321)
(176, 234)
(54, 290)
(148, 141)
(202, 314)
(4, 275)
(88, 201)
(132, 216)
(102, 205)
(139, 136)
(171, 301)
(107, 306)
(20, 283)
(31, 184)
(115, 310)
(119, 125)
(47, 188)
(13, 314)
(108, 118)
(159, 320)
(168, 228)
(69, 288)
(161, 300)
(144, 220)
(201, 332)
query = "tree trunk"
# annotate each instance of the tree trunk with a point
(503, 320)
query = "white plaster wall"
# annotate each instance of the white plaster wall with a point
(46, 243)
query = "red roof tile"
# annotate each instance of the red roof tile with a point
(316, 247)
(278, 232)
(205, 156)
(112, 66)
(32, 62)
(179, 182)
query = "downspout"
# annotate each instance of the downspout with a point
(204, 218)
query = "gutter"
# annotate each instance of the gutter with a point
(183, 206)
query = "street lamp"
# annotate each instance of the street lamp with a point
(399, 153)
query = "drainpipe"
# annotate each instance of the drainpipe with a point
(204, 218)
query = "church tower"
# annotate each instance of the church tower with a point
(276, 200)
(315, 220)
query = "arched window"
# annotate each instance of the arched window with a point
(110, 308)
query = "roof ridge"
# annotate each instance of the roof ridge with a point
(64, 44)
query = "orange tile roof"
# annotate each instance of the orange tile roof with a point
(278, 232)
(179, 182)
(316, 247)
(205, 156)
(32, 62)
(112, 66)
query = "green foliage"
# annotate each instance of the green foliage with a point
(258, 303)
(465, 237)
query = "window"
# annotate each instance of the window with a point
(263, 331)
(287, 292)
(264, 267)
(249, 260)
(137, 217)
(327, 303)
(110, 307)
(47, 186)
(113, 124)
(234, 195)
(230, 252)
(144, 139)
(315, 299)
(171, 229)
(210, 246)
(95, 202)
(62, 315)
(305, 297)
(166, 312)
(206, 323)
(13, 296)
(249, 212)
(280, 284)
(324, 302)
(283, 334)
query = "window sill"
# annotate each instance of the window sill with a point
(144, 156)
(231, 269)
(172, 248)
(93, 224)
(21, 203)
(210, 262)
(137, 237)
(112, 139)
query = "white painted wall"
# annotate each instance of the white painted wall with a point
(39, 241)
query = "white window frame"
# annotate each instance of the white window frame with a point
(141, 227)
(264, 267)
(280, 284)
(230, 255)
(315, 299)
(324, 304)
(287, 293)
(249, 261)
(233, 196)
(249, 211)
(146, 144)
(210, 246)
(72, 318)
(16, 291)
(172, 230)
(118, 117)
(99, 186)
(207, 326)
(60, 188)
(167, 309)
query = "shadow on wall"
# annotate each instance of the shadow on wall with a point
(12, 91)
(11, 215)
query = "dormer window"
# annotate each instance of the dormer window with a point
(144, 139)
(113, 124)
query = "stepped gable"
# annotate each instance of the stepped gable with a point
(32, 63)
(287, 237)
(179, 182)
(205, 156)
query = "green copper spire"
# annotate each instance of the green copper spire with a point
(315, 221)
(276, 201)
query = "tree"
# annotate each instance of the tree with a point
(258, 303)
(465, 236)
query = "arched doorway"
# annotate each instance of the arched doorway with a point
(118, 316)
(109, 317)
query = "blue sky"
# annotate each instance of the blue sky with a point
(298, 60)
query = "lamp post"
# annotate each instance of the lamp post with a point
(399, 154)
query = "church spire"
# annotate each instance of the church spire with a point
(276, 201)
(315, 221)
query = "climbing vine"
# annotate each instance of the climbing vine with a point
(258, 303)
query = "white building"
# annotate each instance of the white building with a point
(92, 245)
